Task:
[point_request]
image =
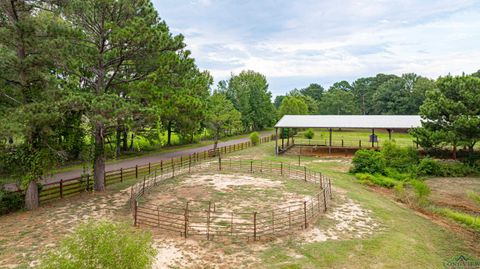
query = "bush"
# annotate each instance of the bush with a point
(368, 161)
(428, 166)
(461, 217)
(11, 202)
(422, 190)
(255, 138)
(475, 197)
(399, 158)
(395, 174)
(103, 244)
(309, 134)
(378, 180)
(431, 167)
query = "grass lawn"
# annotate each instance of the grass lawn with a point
(351, 137)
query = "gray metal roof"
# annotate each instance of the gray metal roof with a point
(350, 121)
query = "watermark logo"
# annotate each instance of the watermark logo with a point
(462, 262)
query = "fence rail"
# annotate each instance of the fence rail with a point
(190, 220)
(65, 188)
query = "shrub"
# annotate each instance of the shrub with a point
(474, 196)
(255, 138)
(428, 166)
(395, 174)
(400, 158)
(309, 134)
(422, 190)
(368, 161)
(378, 180)
(464, 218)
(103, 244)
(11, 201)
(431, 167)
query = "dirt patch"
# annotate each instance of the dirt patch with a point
(26, 235)
(224, 182)
(349, 221)
(451, 192)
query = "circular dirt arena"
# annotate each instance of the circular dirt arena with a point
(253, 201)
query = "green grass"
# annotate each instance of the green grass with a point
(461, 217)
(406, 239)
(352, 136)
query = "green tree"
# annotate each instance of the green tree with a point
(315, 91)
(364, 89)
(249, 93)
(278, 101)
(338, 102)
(221, 116)
(111, 44)
(292, 105)
(452, 110)
(402, 95)
(179, 91)
(29, 107)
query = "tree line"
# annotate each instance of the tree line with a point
(78, 75)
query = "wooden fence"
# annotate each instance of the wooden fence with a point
(70, 187)
(203, 218)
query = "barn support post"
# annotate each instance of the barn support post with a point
(330, 142)
(288, 137)
(373, 135)
(276, 141)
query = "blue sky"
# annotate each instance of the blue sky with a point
(295, 43)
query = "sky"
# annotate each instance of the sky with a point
(298, 42)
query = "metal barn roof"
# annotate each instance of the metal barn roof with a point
(350, 121)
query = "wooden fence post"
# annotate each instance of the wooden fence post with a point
(155, 178)
(135, 206)
(219, 163)
(251, 166)
(105, 178)
(121, 174)
(254, 226)
(136, 171)
(143, 189)
(305, 213)
(305, 173)
(186, 220)
(330, 188)
(324, 200)
(61, 188)
(360, 143)
(161, 169)
(281, 168)
(208, 219)
(189, 163)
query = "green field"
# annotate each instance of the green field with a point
(351, 137)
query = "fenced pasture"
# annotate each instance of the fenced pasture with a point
(203, 218)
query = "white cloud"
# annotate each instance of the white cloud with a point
(322, 40)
